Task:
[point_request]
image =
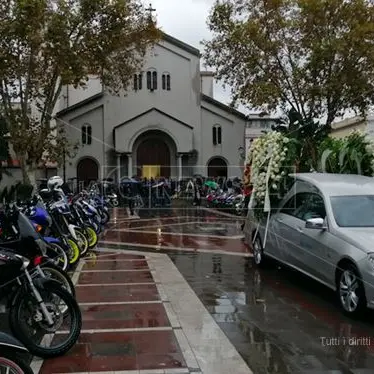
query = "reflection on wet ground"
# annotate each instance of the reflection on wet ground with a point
(179, 228)
(277, 319)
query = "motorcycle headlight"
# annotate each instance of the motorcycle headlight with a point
(371, 260)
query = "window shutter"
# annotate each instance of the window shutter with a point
(154, 80)
(149, 80)
(163, 81)
(135, 82)
(214, 135)
(89, 134)
(140, 81)
(84, 134)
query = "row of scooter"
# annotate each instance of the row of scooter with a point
(229, 201)
(40, 240)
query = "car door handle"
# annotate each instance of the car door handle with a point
(299, 229)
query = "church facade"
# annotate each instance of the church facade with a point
(168, 123)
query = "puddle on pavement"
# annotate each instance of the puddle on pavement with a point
(276, 319)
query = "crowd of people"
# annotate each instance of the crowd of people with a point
(158, 192)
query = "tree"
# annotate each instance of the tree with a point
(315, 57)
(4, 149)
(46, 44)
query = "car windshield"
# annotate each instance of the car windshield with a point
(353, 211)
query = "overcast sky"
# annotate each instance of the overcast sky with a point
(186, 20)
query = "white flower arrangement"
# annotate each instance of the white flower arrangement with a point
(267, 156)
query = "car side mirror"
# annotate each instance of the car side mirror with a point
(316, 224)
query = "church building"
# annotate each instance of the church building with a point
(168, 124)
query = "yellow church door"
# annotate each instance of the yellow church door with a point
(151, 171)
(153, 158)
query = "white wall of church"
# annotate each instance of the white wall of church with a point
(95, 150)
(71, 96)
(232, 138)
(183, 102)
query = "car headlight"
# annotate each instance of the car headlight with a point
(371, 260)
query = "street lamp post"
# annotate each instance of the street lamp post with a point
(64, 164)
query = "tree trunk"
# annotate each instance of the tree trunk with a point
(25, 175)
(32, 176)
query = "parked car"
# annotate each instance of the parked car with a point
(324, 228)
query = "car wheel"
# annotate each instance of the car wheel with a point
(258, 251)
(351, 291)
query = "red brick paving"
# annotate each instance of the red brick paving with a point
(119, 351)
(116, 277)
(110, 264)
(167, 240)
(124, 316)
(124, 293)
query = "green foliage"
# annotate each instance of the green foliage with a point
(4, 147)
(314, 56)
(305, 136)
(350, 155)
(46, 44)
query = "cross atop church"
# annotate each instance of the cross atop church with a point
(150, 10)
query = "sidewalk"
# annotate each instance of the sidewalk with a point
(141, 316)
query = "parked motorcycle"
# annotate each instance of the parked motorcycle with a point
(27, 242)
(10, 351)
(39, 240)
(35, 310)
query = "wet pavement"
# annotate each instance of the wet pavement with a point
(278, 320)
(179, 229)
(213, 312)
(125, 324)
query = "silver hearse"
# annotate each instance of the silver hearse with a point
(324, 228)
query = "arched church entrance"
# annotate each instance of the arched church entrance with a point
(154, 154)
(217, 167)
(87, 170)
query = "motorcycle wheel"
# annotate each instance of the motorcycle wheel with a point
(24, 300)
(58, 255)
(92, 237)
(96, 227)
(60, 276)
(104, 217)
(82, 241)
(12, 364)
(74, 252)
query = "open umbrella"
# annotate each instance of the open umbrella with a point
(211, 184)
(128, 180)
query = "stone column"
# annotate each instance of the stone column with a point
(180, 167)
(129, 165)
(118, 167)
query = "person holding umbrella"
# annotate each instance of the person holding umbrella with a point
(197, 194)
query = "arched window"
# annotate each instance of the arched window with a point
(152, 80)
(138, 81)
(217, 135)
(166, 81)
(86, 134)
